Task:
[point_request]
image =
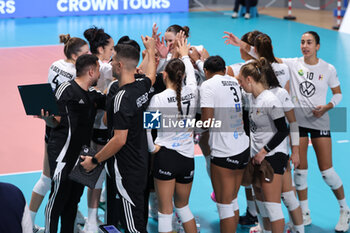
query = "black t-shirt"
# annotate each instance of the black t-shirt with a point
(126, 112)
(77, 109)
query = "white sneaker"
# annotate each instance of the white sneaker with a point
(79, 219)
(37, 229)
(344, 220)
(234, 15)
(247, 16)
(307, 218)
(90, 228)
(256, 229)
(289, 227)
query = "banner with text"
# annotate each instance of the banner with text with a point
(52, 8)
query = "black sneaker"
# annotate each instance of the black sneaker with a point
(248, 219)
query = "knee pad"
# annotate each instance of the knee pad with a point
(100, 180)
(43, 185)
(331, 178)
(290, 200)
(165, 222)
(235, 204)
(274, 211)
(225, 210)
(262, 209)
(300, 179)
(184, 214)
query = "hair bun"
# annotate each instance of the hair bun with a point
(187, 30)
(64, 38)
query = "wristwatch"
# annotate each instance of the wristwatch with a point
(94, 160)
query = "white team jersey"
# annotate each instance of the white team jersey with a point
(179, 139)
(102, 83)
(262, 112)
(284, 98)
(224, 95)
(237, 67)
(308, 88)
(282, 73)
(61, 71)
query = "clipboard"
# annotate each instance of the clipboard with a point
(36, 97)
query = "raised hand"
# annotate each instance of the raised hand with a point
(162, 49)
(183, 48)
(231, 39)
(155, 34)
(194, 54)
(149, 43)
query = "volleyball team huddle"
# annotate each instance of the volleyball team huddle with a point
(269, 107)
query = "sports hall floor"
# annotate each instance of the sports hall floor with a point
(29, 46)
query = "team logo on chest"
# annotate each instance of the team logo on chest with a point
(307, 89)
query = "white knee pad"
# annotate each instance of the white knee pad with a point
(100, 180)
(225, 210)
(274, 211)
(165, 222)
(300, 179)
(262, 209)
(43, 185)
(290, 200)
(184, 214)
(235, 204)
(331, 178)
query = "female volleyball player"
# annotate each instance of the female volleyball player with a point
(59, 72)
(221, 99)
(310, 79)
(173, 166)
(263, 47)
(268, 132)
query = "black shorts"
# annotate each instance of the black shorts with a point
(169, 164)
(314, 133)
(100, 136)
(234, 162)
(278, 162)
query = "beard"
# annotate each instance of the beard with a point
(94, 84)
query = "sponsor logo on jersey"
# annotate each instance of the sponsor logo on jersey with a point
(152, 119)
(320, 77)
(81, 101)
(238, 107)
(301, 72)
(307, 89)
(190, 176)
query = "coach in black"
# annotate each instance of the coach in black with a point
(77, 103)
(129, 142)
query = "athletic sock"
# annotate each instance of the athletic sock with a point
(32, 216)
(304, 206)
(299, 228)
(343, 204)
(92, 216)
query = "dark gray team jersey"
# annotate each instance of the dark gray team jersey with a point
(77, 109)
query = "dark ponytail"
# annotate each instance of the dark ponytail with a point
(176, 71)
(263, 46)
(315, 35)
(97, 38)
(268, 73)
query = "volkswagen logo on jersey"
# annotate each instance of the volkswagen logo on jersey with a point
(152, 119)
(307, 89)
